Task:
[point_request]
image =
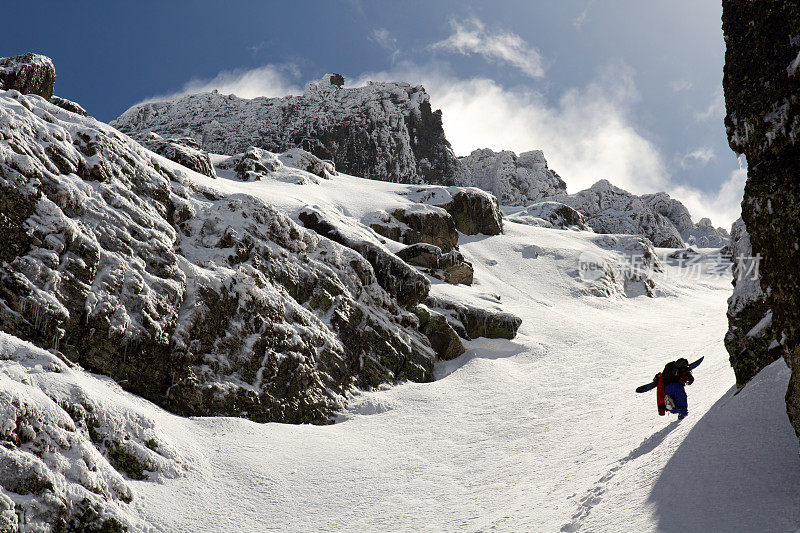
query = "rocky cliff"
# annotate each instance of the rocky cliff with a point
(384, 131)
(762, 97)
(203, 303)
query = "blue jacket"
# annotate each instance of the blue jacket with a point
(676, 391)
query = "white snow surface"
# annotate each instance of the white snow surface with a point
(540, 433)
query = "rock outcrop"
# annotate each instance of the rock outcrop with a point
(184, 151)
(69, 105)
(471, 322)
(751, 340)
(450, 267)
(762, 96)
(385, 131)
(512, 179)
(417, 223)
(202, 303)
(609, 209)
(29, 74)
(549, 215)
(474, 211)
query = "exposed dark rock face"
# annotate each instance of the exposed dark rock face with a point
(69, 105)
(440, 333)
(751, 338)
(385, 131)
(474, 211)
(450, 267)
(29, 74)
(184, 151)
(762, 97)
(403, 282)
(418, 224)
(204, 304)
(471, 322)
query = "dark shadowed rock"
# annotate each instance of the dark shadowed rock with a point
(393, 274)
(29, 74)
(471, 322)
(751, 340)
(450, 267)
(762, 97)
(184, 151)
(69, 105)
(549, 215)
(443, 338)
(418, 223)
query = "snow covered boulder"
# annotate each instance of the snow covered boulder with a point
(69, 105)
(471, 322)
(29, 74)
(184, 151)
(474, 211)
(549, 215)
(303, 160)
(512, 179)
(450, 267)
(417, 223)
(629, 269)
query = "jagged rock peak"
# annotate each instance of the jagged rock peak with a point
(29, 74)
(513, 179)
(384, 131)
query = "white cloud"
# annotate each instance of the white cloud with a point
(385, 40)
(715, 110)
(471, 37)
(679, 86)
(722, 207)
(701, 155)
(268, 80)
(580, 20)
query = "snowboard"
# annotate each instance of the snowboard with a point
(653, 384)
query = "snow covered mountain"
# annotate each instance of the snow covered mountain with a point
(384, 130)
(387, 131)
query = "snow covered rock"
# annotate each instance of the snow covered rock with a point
(609, 209)
(184, 151)
(69, 105)
(512, 179)
(751, 340)
(29, 74)
(474, 211)
(450, 267)
(629, 269)
(549, 215)
(417, 223)
(203, 303)
(297, 158)
(443, 338)
(407, 285)
(702, 234)
(762, 98)
(471, 322)
(385, 131)
(70, 448)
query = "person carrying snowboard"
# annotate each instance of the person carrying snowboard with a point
(676, 375)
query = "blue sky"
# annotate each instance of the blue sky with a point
(629, 91)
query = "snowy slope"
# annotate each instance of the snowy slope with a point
(538, 433)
